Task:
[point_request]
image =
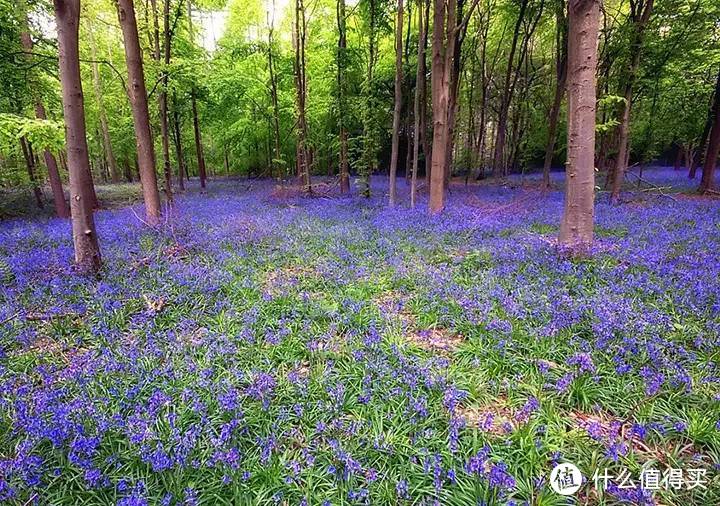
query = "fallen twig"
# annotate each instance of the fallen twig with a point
(11, 317)
(44, 317)
(654, 186)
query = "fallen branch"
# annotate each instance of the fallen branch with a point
(11, 317)
(654, 187)
(31, 317)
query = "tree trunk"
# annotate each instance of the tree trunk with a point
(442, 55)
(398, 103)
(576, 228)
(419, 80)
(457, 36)
(707, 182)
(639, 15)
(342, 94)
(202, 171)
(561, 74)
(368, 162)
(162, 94)
(105, 130)
(85, 241)
(62, 210)
(127, 172)
(689, 155)
(274, 99)
(678, 157)
(498, 160)
(427, 152)
(178, 144)
(485, 78)
(700, 154)
(301, 95)
(30, 164)
(139, 104)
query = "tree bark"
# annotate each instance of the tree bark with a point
(342, 94)
(443, 49)
(439, 109)
(139, 105)
(561, 74)
(398, 103)
(707, 182)
(202, 171)
(639, 14)
(576, 228)
(62, 210)
(85, 241)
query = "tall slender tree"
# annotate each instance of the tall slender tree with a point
(398, 103)
(102, 115)
(417, 105)
(273, 94)
(139, 105)
(30, 165)
(62, 210)
(506, 96)
(639, 16)
(342, 96)
(177, 138)
(303, 154)
(561, 35)
(202, 171)
(576, 228)
(163, 59)
(85, 240)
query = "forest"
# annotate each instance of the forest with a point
(340, 252)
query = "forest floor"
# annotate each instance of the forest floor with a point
(261, 348)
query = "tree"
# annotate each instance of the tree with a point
(507, 91)
(177, 138)
(342, 96)
(576, 228)
(419, 99)
(141, 119)
(30, 165)
(707, 182)
(442, 50)
(398, 102)
(162, 95)
(639, 16)
(104, 129)
(62, 210)
(85, 240)
(368, 161)
(561, 76)
(202, 172)
(303, 154)
(277, 155)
